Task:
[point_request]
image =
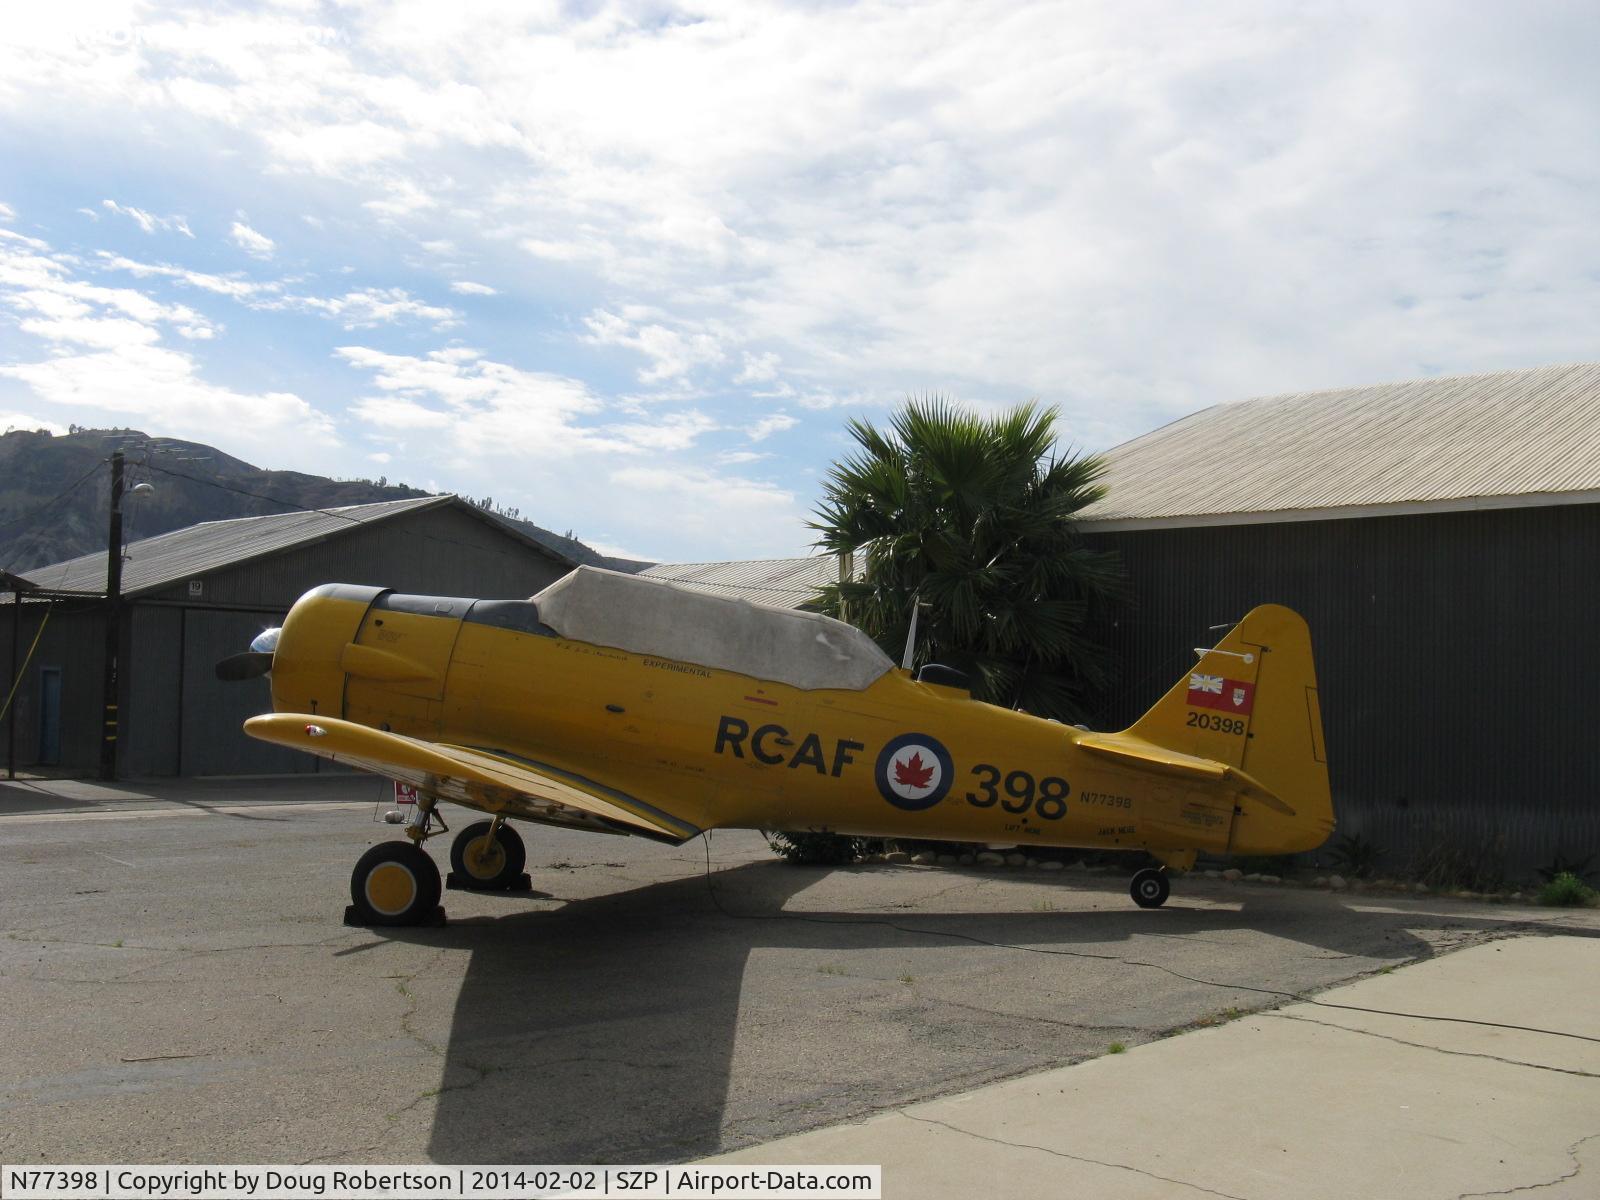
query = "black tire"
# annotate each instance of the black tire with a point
(495, 872)
(394, 883)
(1150, 888)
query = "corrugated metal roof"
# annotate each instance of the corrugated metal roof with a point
(786, 582)
(187, 553)
(1465, 441)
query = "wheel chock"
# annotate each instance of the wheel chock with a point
(354, 921)
(523, 883)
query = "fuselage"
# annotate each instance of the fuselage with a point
(895, 758)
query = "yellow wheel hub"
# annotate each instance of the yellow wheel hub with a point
(485, 857)
(391, 888)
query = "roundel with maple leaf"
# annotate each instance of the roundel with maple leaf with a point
(914, 772)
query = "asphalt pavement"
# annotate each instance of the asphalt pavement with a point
(178, 987)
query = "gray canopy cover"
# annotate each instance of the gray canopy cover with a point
(647, 616)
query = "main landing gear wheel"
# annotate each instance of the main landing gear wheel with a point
(394, 883)
(484, 858)
(1150, 887)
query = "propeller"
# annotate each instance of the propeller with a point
(254, 662)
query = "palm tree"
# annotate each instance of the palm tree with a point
(974, 517)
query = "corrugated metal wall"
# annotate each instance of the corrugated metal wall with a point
(1456, 653)
(73, 643)
(177, 718)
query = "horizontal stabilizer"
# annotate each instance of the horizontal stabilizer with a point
(1135, 751)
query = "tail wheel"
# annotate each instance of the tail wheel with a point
(486, 859)
(1150, 888)
(394, 883)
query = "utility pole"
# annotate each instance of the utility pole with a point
(108, 733)
(11, 709)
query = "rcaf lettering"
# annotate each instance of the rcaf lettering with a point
(770, 757)
(766, 746)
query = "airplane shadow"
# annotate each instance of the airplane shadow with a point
(605, 1031)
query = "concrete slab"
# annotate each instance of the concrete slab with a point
(1499, 1091)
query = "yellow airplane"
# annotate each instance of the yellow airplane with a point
(625, 705)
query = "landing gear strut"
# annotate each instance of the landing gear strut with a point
(488, 856)
(1150, 887)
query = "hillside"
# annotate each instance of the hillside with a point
(54, 493)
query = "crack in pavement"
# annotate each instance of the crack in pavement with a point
(403, 987)
(911, 904)
(1577, 1169)
(1072, 1157)
(327, 1155)
(1387, 1037)
(180, 953)
(1013, 1016)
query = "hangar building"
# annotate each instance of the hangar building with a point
(197, 595)
(1442, 537)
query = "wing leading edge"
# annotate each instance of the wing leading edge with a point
(477, 778)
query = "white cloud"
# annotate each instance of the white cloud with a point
(573, 251)
(466, 287)
(106, 359)
(673, 354)
(391, 413)
(479, 406)
(223, 285)
(721, 513)
(7, 213)
(163, 389)
(758, 368)
(401, 198)
(361, 309)
(367, 307)
(673, 431)
(1129, 217)
(256, 245)
(104, 332)
(149, 222)
(767, 426)
(58, 307)
(11, 235)
(614, 549)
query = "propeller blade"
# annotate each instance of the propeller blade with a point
(252, 664)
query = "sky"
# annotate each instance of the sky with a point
(631, 268)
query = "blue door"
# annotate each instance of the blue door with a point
(50, 716)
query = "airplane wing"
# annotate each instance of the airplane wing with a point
(1137, 752)
(477, 778)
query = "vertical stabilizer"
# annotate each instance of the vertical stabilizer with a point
(1251, 702)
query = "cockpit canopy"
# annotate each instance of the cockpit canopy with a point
(647, 616)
